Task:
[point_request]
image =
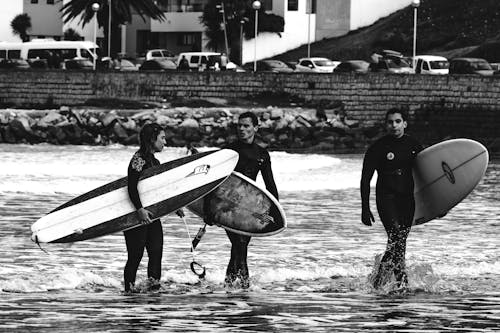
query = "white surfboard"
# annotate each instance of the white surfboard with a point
(163, 189)
(445, 174)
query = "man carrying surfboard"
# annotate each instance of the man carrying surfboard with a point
(253, 158)
(150, 234)
(392, 156)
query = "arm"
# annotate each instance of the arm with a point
(267, 175)
(134, 173)
(366, 176)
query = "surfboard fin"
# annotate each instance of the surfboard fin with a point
(38, 243)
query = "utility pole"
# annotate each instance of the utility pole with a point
(221, 10)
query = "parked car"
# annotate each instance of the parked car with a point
(317, 64)
(352, 66)
(200, 60)
(470, 66)
(269, 65)
(160, 54)
(83, 64)
(391, 65)
(14, 64)
(122, 65)
(158, 65)
(429, 64)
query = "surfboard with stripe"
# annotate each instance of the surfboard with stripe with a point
(445, 174)
(163, 189)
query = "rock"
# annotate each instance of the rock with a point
(8, 135)
(276, 114)
(52, 117)
(4, 118)
(73, 133)
(189, 123)
(65, 110)
(280, 124)
(108, 118)
(120, 131)
(57, 133)
(130, 125)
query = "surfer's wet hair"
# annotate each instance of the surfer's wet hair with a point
(148, 135)
(402, 112)
(251, 115)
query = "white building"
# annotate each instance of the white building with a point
(182, 30)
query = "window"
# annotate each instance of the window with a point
(50, 2)
(267, 4)
(34, 1)
(312, 4)
(187, 39)
(293, 5)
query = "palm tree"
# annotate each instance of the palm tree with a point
(121, 13)
(20, 26)
(71, 34)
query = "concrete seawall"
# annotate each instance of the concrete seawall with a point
(439, 106)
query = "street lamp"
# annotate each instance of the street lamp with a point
(242, 22)
(309, 28)
(221, 10)
(256, 7)
(109, 29)
(415, 4)
(95, 8)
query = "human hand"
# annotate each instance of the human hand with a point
(367, 217)
(180, 212)
(144, 216)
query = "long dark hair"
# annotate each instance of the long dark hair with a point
(147, 137)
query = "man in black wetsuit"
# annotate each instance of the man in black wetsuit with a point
(150, 234)
(392, 156)
(253, 158)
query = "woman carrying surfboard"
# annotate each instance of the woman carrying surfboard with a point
(150, 234)
(392, 156)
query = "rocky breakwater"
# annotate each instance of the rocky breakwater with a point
(290, 129)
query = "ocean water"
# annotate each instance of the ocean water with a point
(313, 277)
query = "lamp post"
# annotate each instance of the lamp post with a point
(256, 7)
(95, 8)
(242, 22)
(221, 10)
(309, 28)
(415, 4)
(109, 29)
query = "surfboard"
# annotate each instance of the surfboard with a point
(241, 206)
(445, 174)
(163, 189)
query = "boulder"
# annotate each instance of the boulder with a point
(119, 131)
(189, 123)
(276, 114)
(129, 125)
(51, 118)
(108, 118)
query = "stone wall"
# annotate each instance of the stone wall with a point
(439, 106)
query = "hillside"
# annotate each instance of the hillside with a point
(445, 27)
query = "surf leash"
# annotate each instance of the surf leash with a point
(38, 243)
(196, 268)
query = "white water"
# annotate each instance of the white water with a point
(312, 277)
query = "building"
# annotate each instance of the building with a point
(306, 21)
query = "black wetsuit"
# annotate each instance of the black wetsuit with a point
(148, 236)
(393, 159)
(253, 158)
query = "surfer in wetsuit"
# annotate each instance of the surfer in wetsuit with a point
(253, 158)
(150, 234)
(392, 156)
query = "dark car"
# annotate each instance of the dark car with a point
(14, 64)
(158, 65)
(391, 65)
(276, 66)
(352, 66)
(83, 64)
(470, 66)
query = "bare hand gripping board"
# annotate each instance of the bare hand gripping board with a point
(163, 189)
(241, 206)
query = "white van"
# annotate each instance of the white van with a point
(429, 64)
(200, 60)
(43, 48)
